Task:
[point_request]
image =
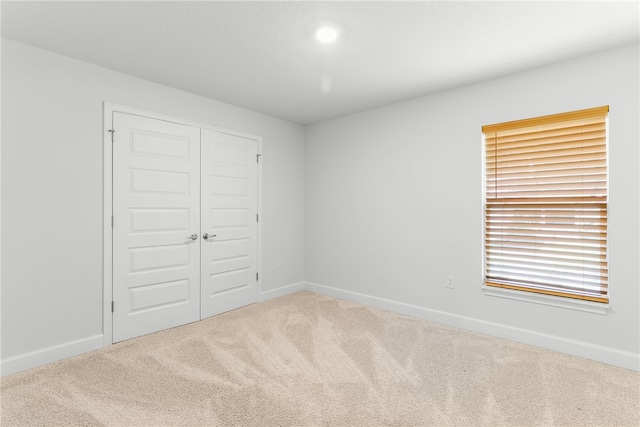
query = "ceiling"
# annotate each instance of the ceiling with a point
(262, 55)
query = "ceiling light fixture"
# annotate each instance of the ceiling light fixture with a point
(326, 34)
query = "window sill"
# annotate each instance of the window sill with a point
(573, 304)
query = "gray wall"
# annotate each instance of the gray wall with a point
(394, 204)
(52, 172)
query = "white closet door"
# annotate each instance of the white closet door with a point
(156, 205)
(229, 209)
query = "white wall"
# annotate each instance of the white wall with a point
(355, 206)
(52, 113)
(394, 204)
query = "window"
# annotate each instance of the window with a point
(546, 205)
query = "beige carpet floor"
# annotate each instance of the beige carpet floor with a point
(308, 359)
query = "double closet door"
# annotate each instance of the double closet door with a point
(184, 224)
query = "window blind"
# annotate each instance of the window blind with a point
(546, 204)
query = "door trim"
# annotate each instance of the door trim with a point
(107, 253)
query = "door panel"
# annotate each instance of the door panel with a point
(229, 208)
(156, 206)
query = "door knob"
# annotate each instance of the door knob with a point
(194, 236)
(206, 236)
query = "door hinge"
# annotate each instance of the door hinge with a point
(258, 158)
(112, 131)
(257, 217)
(112, 306)
(256, 277)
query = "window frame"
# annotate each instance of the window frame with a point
(540, 296)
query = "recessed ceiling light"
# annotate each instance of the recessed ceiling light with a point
(326, 34)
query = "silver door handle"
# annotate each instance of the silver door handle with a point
(194, 236)
(206, 236)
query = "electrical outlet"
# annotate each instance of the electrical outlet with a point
(279, 263)
(451, 281)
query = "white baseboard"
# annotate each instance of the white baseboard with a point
(22, 362)
(624, 359)
(283, 290)
(611, 356)
(32, 359)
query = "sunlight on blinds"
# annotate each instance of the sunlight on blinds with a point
(546, 204)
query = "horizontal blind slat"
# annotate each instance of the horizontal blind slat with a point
(548, 185)
(591, 164)
(560, 258)
(547, 202)
(548, 179)
(586, 141)
(546, 161)
(553, 153)
(595, 270)
(577, 193)
(547, 215)
(577, 246)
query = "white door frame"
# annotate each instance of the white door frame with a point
(107, 253)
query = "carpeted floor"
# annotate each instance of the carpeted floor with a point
(308, 359)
